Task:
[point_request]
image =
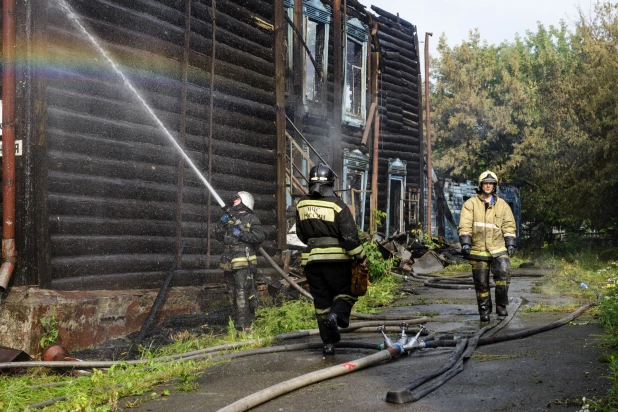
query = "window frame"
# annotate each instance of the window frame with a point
(397, 172)
(355, 161)
(356, 32)
(315, 11)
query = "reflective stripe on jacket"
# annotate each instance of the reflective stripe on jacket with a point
(327, 217)
(488, 224)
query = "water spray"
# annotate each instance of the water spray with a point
(150, 111)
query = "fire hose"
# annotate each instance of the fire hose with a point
(450, 369)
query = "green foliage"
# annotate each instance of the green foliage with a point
(608, 403)
(377, 264)
(380, 293)
(50, 327)
(290, 316)
(541, 110)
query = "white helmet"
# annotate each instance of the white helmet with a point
(246, 199)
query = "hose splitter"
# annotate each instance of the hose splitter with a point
(408, 345)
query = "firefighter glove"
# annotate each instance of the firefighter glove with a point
(236, 231)
(511, 250)
(225, 218)
(465, 249)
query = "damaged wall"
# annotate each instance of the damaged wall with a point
(111, 178)
(86, 318)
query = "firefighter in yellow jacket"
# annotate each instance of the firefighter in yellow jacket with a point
(487, 234)
(324, 222)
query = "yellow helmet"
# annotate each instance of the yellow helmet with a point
(488, 177)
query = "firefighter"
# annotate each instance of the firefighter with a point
(242, 236)
(325, 224)
(487, 234)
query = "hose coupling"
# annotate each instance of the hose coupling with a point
(403, 338)
(415, 342)
(388, 343)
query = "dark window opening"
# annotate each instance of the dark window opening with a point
(314, 37)
(394, 211)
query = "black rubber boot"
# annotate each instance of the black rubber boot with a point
(483, 297)
(342, 309)
(329, 332)
(501, 311)
(328, 349)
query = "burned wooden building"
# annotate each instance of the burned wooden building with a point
(104, 93)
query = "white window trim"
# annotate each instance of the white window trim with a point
(396, 172)
(357, 162)
(310, 103)
(355, 26)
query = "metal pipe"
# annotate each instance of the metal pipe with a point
(279, 51)
(374, 174)
(428, 127)
(9, 254)
(376, 131)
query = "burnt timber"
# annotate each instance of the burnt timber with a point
(99, 184)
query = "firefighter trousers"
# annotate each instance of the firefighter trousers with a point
(500, 267)
(242, 295)
(330, 285)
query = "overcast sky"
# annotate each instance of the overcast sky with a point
(497, 20)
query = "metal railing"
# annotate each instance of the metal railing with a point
(299, 152)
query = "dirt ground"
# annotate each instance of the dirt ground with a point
(549, 371)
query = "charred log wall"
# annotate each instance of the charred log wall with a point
(113, 175)
(399, 101)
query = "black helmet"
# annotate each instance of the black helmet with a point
(321, 174)
(321, 180)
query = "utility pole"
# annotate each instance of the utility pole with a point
(428, 128)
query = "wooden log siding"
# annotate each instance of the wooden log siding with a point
(398, 104)
(113, 174)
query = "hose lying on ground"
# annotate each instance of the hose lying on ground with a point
(452, 368)
(317, 376)
(451, 282)
(456, 361)
(359, 326)
(463, 350)
(228, 356)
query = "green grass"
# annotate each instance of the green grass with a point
(571, 267)
(103, 391)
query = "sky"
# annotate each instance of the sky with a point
(497, 20)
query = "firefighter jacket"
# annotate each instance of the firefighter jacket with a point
(326, 226)
(240, 251)
(488, 224)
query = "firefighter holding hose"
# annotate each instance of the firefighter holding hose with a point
(242, 235)
(487, 234)
(326, 225)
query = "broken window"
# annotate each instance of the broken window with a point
(288, 41)
(315, 31)
(395, 201)
(354, 97)
(355, 176)
(314, 37)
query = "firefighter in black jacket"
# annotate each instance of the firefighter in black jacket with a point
(242, 236)
(326, 225)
